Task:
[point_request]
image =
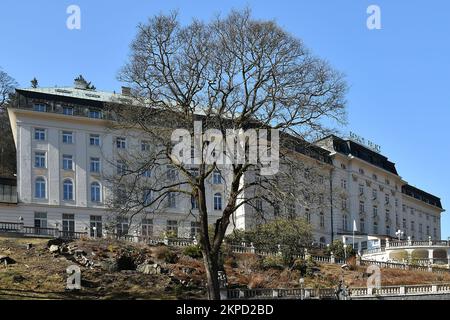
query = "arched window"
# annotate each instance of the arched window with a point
(68, 190)
(95, 192)
(217, 201)
(40, 188)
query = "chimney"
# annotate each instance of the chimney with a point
(126, 91)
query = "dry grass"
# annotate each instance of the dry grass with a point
(39, 275)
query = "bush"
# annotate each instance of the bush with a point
(193, 251)
(305, 267)
(164, 253)
(273, 262)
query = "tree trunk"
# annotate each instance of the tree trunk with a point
(212, 267)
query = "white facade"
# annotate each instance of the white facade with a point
(63, 157)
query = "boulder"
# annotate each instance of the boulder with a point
(149, 268)
(54, 248)
(6, 260)
(58, 242)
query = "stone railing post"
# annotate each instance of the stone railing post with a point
(434, 288)
(252, 247)
(358, 260)
(409, 241)
(369, 291)
(402, 290)
(279, 250)
(223, 294)
(387, 242)
(332, 258)
(430, 242)
(166, 240)
(275, 293)
(307, 255)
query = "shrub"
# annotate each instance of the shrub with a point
(305, 267)
(193, 251)
(249, 262)
(164, 253)
(273, 262)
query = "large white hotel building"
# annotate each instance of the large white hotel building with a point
(64, 148)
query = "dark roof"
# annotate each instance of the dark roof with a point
(421, 195)
(349, 147)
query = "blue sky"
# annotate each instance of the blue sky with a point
(399, 76)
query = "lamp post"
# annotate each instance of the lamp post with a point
(302, 294)
(345, 253)
(399, 234)
(95, 232)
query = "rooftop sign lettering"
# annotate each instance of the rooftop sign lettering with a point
(366, 143)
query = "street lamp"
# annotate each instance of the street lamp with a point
(345, 253)
(95, 232)
(399, 234)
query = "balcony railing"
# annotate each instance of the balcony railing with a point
(19, 228)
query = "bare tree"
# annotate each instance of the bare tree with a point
(7, 147)
(7, 86)
(233, 73)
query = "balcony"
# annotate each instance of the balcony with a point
(18, 229)
(8, 191)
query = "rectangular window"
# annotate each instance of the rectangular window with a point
(121, 143)
(195, 229)
(40, 223)
(40, 160)
(343, 184)
(194, 202)
(39, 134)
(96, 226)
(68, 225)
(386, 198)
(147, 197)
(67, 137)
(344, 204)
(95, 114)
(172, 174)
(40, 107)
(172, 200)
(68, 111)
(122, 226)
(95, 165)
(145, 146)
(374, 194)
(375, 211)
(172, 227)
(217, 177)
(94, 140)
(361, 189)
(121, 167)
(361, 207)
(147, 228)
(67, 162)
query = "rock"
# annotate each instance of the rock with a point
(79, 252)
(18, 278)
(149, 268)
(6, 260)
(54, 248)
(109, 265)
(58, 242)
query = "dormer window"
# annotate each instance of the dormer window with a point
(68, 111)
(95, 114)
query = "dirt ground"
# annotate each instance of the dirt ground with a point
(39, 274)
